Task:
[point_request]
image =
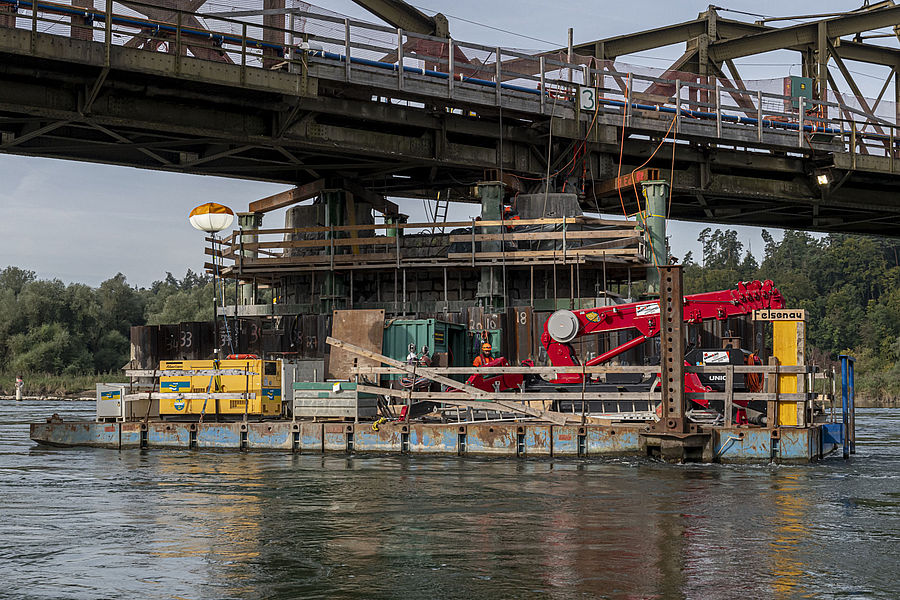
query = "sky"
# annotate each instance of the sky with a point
(82, 222)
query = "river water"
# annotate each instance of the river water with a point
(91, 523)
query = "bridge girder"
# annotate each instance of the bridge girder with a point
(184, 114)
(406, 17)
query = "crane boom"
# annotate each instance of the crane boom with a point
(564, 326)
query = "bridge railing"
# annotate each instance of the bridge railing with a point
(471, 74)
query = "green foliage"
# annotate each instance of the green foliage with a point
(49, 327)
(849, 285)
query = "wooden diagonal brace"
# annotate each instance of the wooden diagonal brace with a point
(422, 371)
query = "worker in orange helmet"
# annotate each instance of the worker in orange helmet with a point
(510, 214)
(484, 357)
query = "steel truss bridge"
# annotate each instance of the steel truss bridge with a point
(321, 101)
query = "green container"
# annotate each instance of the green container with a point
(439, 336)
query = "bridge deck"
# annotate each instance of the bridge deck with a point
(228, 100)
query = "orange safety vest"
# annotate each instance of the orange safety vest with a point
(479, 361)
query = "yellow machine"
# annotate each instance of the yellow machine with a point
(248, 386)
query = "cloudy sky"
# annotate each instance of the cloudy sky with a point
(85, 222)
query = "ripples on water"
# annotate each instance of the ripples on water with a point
(85, 523)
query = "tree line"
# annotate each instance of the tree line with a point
(47, 326)
(849, 286)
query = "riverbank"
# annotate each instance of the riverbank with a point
(48, 386)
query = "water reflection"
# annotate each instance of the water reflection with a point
(158, 524)
(790, 529)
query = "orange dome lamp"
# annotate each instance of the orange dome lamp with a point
(211, 217)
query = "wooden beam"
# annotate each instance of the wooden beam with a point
(624, 182)
(289, 197)
(314, 188)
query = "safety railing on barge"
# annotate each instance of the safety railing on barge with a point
(561, 241)
(418, 67)
(813, 406)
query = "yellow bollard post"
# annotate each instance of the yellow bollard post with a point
(789, 347)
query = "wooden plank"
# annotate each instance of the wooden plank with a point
(478, 224)
(363, 328)
(542, 235)
(185, 372)
(577, 395)
(589, 370)
(289, 197)
(191, 396)
(611, 244)
(464, 238)
(428, 373)
(324, 243)
(545, 253)
(306, 267)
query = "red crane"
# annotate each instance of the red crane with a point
(563, 326)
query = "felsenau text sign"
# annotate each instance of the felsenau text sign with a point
(780, 314)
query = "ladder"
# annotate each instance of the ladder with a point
(441, 207)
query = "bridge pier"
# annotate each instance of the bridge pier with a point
(333, 287)
(655, 195)
(490, 287)
(249, 223)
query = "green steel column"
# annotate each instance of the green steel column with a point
(248, 223)
(490, 288)
(334, 287)
(656, 195)
(394, 220)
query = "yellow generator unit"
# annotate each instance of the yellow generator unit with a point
(238, 386)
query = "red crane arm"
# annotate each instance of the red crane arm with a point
(563, 326)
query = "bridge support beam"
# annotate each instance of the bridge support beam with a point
(334, 293)
(249, 223)
(655, 195)
(491, 286)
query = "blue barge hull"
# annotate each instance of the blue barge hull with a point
(524, 440)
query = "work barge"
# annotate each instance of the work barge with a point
(352, 399)
(326, 310)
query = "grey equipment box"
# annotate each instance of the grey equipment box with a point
(332, 399)
(114, 403)
(111, 401)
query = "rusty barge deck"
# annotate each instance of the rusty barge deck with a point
(522, 440)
